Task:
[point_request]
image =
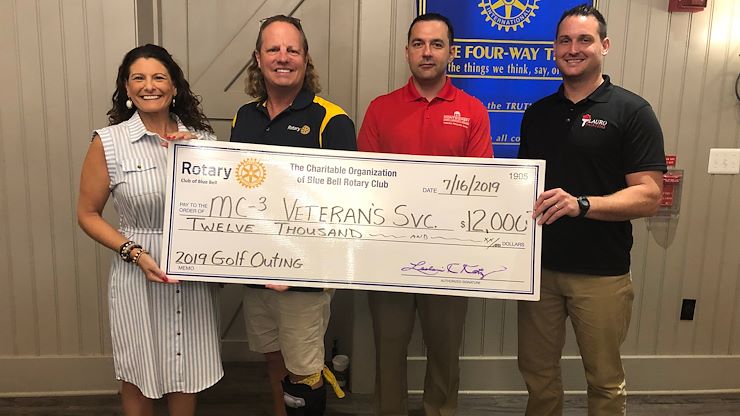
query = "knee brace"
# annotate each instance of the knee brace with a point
(301, 400)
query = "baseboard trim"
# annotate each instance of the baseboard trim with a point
(69, 393)
(583, 392)
(676, 374)
(29, 376)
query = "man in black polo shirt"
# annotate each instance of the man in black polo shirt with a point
(604, 151)
(288, 327)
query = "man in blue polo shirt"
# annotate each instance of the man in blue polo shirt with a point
(288, 325)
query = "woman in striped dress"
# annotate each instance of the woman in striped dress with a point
(165, 333)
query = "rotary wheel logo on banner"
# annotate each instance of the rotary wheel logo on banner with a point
(250, 173)
(508, 14)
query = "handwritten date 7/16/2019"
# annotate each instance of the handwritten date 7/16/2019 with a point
(470, 187)
(459, 270)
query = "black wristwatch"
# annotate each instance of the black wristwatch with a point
(583, 205)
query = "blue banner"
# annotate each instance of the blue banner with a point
(503, 54)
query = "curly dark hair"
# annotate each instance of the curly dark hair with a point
(255, 83)
(187, 106)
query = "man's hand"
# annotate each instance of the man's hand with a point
(553, 204)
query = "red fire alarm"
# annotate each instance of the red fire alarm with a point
(686, 5)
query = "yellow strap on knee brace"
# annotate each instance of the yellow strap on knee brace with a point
(313, 379)
(329, 377)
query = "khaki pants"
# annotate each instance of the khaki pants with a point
(442, 319)
(599, 308)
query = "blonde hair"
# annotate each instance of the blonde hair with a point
(255, 82)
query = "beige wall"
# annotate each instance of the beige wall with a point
(58, 60)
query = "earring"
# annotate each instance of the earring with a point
(173, 101)
(129, 104)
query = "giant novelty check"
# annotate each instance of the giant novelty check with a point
(240, 213)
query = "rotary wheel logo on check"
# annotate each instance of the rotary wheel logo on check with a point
(251, 173)
(508, 14)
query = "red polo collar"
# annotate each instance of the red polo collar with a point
(447, 93)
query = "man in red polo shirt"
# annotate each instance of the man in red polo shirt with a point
(428, 116)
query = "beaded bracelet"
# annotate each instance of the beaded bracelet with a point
(125, 250)
(128, 258)
(135, 258)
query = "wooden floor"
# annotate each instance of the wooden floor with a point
(243, 392)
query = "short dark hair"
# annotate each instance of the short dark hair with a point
(188, 107)
(430, 17)
(584, 10)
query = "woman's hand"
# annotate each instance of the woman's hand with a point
(152, 272)
(178, 135)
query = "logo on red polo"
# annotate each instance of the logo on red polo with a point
(587, 120)
(456, 120)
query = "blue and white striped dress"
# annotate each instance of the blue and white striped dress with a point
(165, 336)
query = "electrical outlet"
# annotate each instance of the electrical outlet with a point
(687, 309)
(724, 161)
